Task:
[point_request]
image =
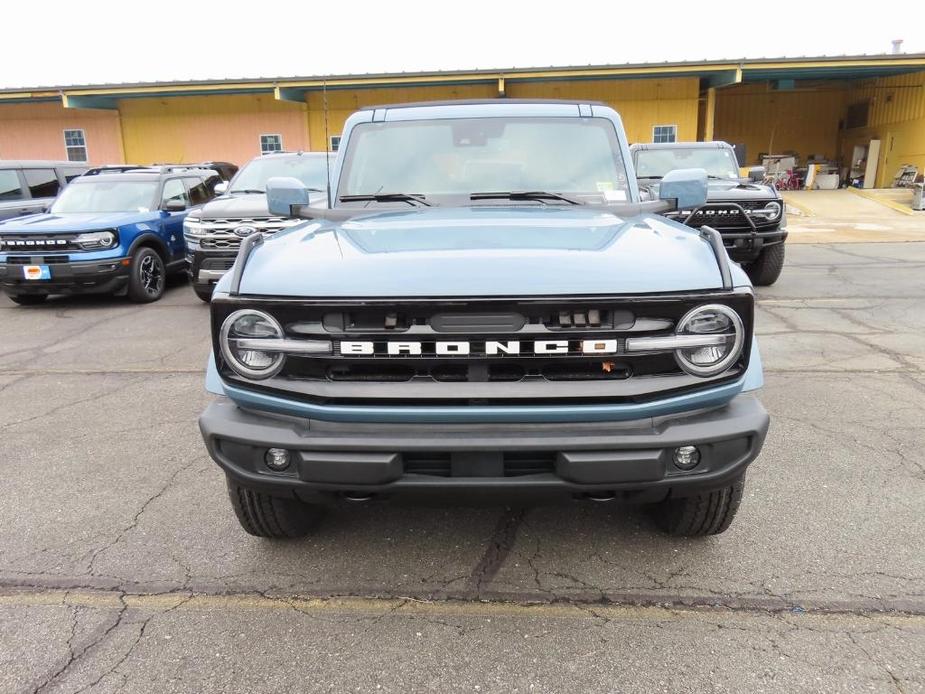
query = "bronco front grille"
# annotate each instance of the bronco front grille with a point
(30, 243)
(720, 216)
(221, 234)
(350, 375)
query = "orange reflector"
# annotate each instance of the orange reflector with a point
(126, 261)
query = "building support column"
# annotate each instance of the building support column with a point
(709, 114)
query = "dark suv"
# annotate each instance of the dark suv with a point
(27, 187)
(114, 229)
(214, 232)
(748, 213)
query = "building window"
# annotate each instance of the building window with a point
(271, 143)
(665, 133)
(76, 145)
(334, 144)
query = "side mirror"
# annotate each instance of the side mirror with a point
(687, 188)
(756, 174)
(284, 192)
(174, 205)
(221, 188)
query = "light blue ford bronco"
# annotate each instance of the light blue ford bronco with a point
(485, 310)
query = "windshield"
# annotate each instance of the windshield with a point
(311, 170)
(655, 163)
(464, 156)
(100, 195)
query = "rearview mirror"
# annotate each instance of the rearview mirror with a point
(756, 174)
(686, 188)
(284, 192)
(221, 187)
(174, 205)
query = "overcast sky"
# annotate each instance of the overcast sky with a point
(96, 41)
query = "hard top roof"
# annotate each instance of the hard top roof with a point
(711, 144)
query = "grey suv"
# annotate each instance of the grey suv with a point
(27, 187)
(214, 232)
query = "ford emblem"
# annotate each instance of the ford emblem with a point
(244, 230)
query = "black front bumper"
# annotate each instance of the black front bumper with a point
(85, 277)
(744, 245)
(207, 267)
(632, 460)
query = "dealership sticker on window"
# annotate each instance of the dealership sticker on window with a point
(36, 272)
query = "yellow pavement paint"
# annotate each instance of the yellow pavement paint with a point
(876, 197)
(804, 210)
(412, 607)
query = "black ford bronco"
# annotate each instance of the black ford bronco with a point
(747, 213)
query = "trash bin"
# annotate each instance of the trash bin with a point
(918, 196)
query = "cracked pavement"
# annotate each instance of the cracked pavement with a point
(122, 567)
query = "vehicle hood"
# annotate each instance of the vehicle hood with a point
(238, 206)
(490, 251)
(74, 222)
(243, 206)
(732, 189)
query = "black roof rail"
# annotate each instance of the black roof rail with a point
(114, 168)
(134, 168)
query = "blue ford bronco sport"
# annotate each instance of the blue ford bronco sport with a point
(487, 309)
(114, 229)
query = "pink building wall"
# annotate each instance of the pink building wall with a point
(36, 131)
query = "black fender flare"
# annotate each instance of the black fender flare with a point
(150, 239)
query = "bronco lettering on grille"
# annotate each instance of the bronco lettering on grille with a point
(465, 348)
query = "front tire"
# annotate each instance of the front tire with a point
(28, 299)
(765, 270)
(204, 293)
(148, 277)
(263, 515)
(709, 513)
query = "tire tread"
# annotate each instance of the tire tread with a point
(765, 270)
(709, 513)
(263, 515)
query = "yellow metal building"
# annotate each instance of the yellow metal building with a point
(828, 107)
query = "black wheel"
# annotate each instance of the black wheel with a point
(765, 270)
(148, 276)
(28, 299)
(263, 515)
(704, 514)
(204, 293)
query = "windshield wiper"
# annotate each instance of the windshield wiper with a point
(247, 190)
(650, 178)
(410, 198)
(540, 195)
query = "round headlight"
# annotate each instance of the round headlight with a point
(239, 339)
(723, 335)
(770, 211)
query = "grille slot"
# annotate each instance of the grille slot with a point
(217, 263)
(512, 463)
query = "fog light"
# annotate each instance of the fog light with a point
(686, 457)
(278, 458)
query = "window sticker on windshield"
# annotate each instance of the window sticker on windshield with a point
(604, 185)
(143, 209)
(614, 195)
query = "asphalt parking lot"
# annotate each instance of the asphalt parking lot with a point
(122, 567)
